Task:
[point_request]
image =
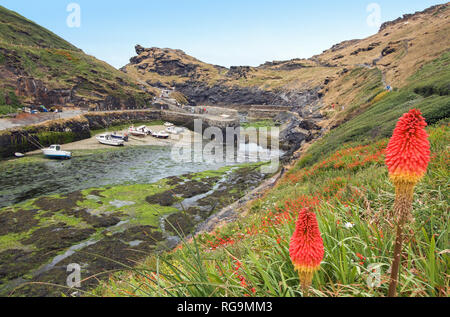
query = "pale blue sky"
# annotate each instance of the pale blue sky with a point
(224, 32)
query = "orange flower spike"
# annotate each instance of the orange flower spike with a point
(408, 152)
(306, 247)
(407, 158)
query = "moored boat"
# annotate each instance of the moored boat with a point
(19, 155)
(168, 124)
(141, 131)
(174, 130)
(55, 152)
(107, 139)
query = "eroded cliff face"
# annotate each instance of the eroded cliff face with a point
(35, 92)
(200, 93)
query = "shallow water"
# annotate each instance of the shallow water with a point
(130, 165)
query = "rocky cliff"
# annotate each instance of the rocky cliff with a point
(203, 83)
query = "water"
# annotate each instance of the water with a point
(130, 165)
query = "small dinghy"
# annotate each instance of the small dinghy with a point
(168, 124)
(19, 155)
(107, 139)
(160, 135)
(55, 152)
(119, 136)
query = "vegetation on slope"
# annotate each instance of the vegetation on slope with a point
(9, 102)
(15, 29)
(28, 50)
(427, 90)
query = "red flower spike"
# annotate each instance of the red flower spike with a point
(408, 152)
(306, 248)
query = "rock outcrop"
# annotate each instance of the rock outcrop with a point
(206, 84)
(406, 17)
(165, 62)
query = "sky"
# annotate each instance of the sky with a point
(222, 32)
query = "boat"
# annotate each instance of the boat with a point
(160, 135)
(55, 152)
(168, 124)
(145, 130)
(119, 136)
(174, 130)
(107, 139)
(17, 154)
(141, 131)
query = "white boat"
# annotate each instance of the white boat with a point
(160, 135)
(107, 139)
(174, 130)
(168, 124)
(145, 130)
(17, 154)
(55, 152)
(139, 131)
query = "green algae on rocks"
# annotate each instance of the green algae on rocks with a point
(109, 228)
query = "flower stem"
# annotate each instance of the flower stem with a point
(396, 262)
(402, 211)
(305, 282)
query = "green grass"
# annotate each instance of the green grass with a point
(14, 27)
(9, 102)
(5, 109)
(259, 124)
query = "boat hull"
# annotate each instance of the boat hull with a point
(58, 157)
(160, 136)
(55, 152)
(111, 143)
(107, 139)
(138, 134)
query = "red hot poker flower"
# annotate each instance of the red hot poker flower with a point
(408, 152)
(407, 158)
(306, 248)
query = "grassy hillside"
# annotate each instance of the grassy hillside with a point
(345, 178)
(427, 90)
(15, 29)
(36, 64)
